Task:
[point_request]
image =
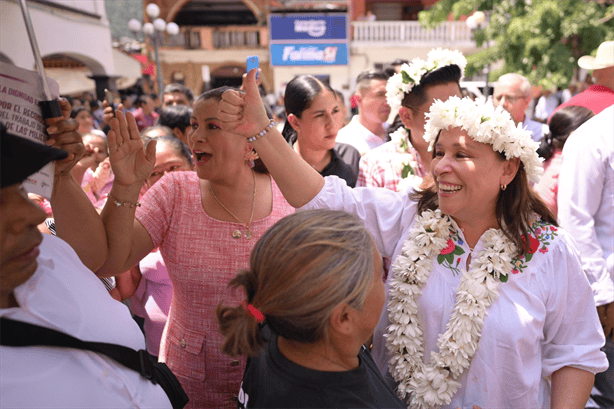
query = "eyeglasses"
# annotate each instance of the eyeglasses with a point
(510, 98)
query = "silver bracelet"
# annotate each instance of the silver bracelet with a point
(119, 203)
(263, 132)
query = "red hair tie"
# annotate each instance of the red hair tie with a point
(253, 311)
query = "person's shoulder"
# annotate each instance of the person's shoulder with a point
(179, 179)
(345, 150)
(544, 237)
(270, 368)
(384, 149)
(349, 127)
(598, 127)
(52, 246)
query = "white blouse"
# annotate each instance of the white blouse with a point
(544, 319)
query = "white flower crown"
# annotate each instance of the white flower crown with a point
(487, 124)
(411, 74)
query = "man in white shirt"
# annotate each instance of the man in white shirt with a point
(367, 130)
(546, 104)
(44, 282)
(586, 210)
(513, 92)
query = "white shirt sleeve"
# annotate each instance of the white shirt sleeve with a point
(540, 108)
(572, 332)
(586, 199)
(385, 213)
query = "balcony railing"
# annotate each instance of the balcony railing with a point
(365, 33)
(369, 33)
(219, 38)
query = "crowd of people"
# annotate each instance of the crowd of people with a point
(416, 254)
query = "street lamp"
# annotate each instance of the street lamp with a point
(474, 22)
(154, 31)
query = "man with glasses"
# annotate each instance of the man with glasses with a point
(513, 92)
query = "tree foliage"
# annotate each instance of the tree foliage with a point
(541, 39)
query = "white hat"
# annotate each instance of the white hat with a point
(604, 59)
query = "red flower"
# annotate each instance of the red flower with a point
(514, 271)
(458, 261)
(533, 244)
(449, 248)
(544, 250)
(553, 228)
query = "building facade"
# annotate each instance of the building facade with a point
(74, 40)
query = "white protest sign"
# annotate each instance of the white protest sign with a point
(20, 91)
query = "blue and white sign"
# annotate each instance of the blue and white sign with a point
(308, 27)
(309, 54)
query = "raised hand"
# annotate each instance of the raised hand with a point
(63, 134)
(108, 113)
(243, 113)
(131, 163)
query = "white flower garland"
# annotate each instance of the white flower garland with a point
(487, 124)
(411, 74)
(407, 164)
(434, 384)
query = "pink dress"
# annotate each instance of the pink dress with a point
(152, 299)
(548, 186)
(97, 194)
(202, 257)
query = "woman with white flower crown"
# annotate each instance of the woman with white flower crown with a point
(487, 304)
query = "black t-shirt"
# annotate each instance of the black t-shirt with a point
(272, 381)
(343, 163)
(339, 167)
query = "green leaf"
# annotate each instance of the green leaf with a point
(540, 39)
(405, 76)
(449, 258)
(504, 278)
(441, 258)
(406, 171)
(528, 256)
(458, 250)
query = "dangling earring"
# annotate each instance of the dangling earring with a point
(503, 187)
(250, 157)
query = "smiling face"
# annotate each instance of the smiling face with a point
(318, 125)
(167, 160)
(468, 176)
(218, 154)
(19, 240)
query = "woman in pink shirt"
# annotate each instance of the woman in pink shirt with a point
(148, 284)
(562, 124)
(205, 224)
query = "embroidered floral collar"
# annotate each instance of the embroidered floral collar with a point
(434, 384)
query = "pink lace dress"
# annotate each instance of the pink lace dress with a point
(202, 257)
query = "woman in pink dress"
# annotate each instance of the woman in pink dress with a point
(148, 285)
(562, 124)
(205, 224)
